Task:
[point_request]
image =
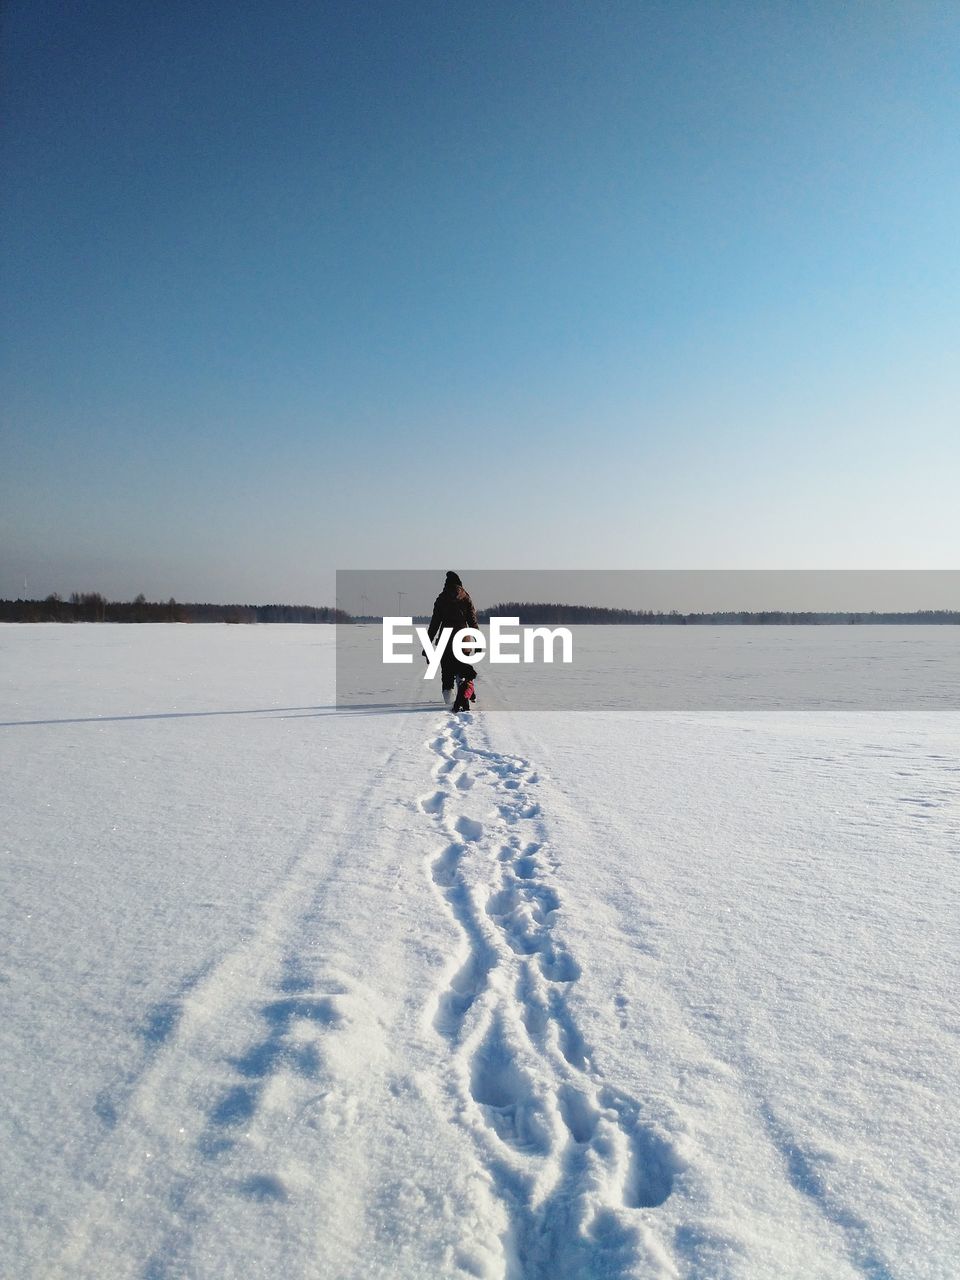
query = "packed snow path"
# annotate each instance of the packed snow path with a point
(568, 1152)
(347, 993)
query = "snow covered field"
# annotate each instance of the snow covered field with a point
(292, 990)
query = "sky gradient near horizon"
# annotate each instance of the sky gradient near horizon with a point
(653, 285)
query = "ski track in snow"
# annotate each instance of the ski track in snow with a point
(224, 1097)
(568, 1153)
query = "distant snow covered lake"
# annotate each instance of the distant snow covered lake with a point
(365, 991)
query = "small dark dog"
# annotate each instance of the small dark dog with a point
(465, 694)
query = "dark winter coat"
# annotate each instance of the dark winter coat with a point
(452, 608)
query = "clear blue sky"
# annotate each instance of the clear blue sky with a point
(295, 286)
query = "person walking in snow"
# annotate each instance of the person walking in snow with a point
(453, 608)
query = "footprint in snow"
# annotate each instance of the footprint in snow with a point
(432, 803)
(469, 828)
(445, 866)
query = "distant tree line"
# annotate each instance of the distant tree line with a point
(91, 606)
(569, 614)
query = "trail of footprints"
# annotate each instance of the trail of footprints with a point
(569, 1154)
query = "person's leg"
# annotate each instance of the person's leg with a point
(448, 673)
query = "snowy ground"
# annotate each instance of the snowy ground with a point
(293, 990)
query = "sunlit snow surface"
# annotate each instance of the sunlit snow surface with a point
(293, 990)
